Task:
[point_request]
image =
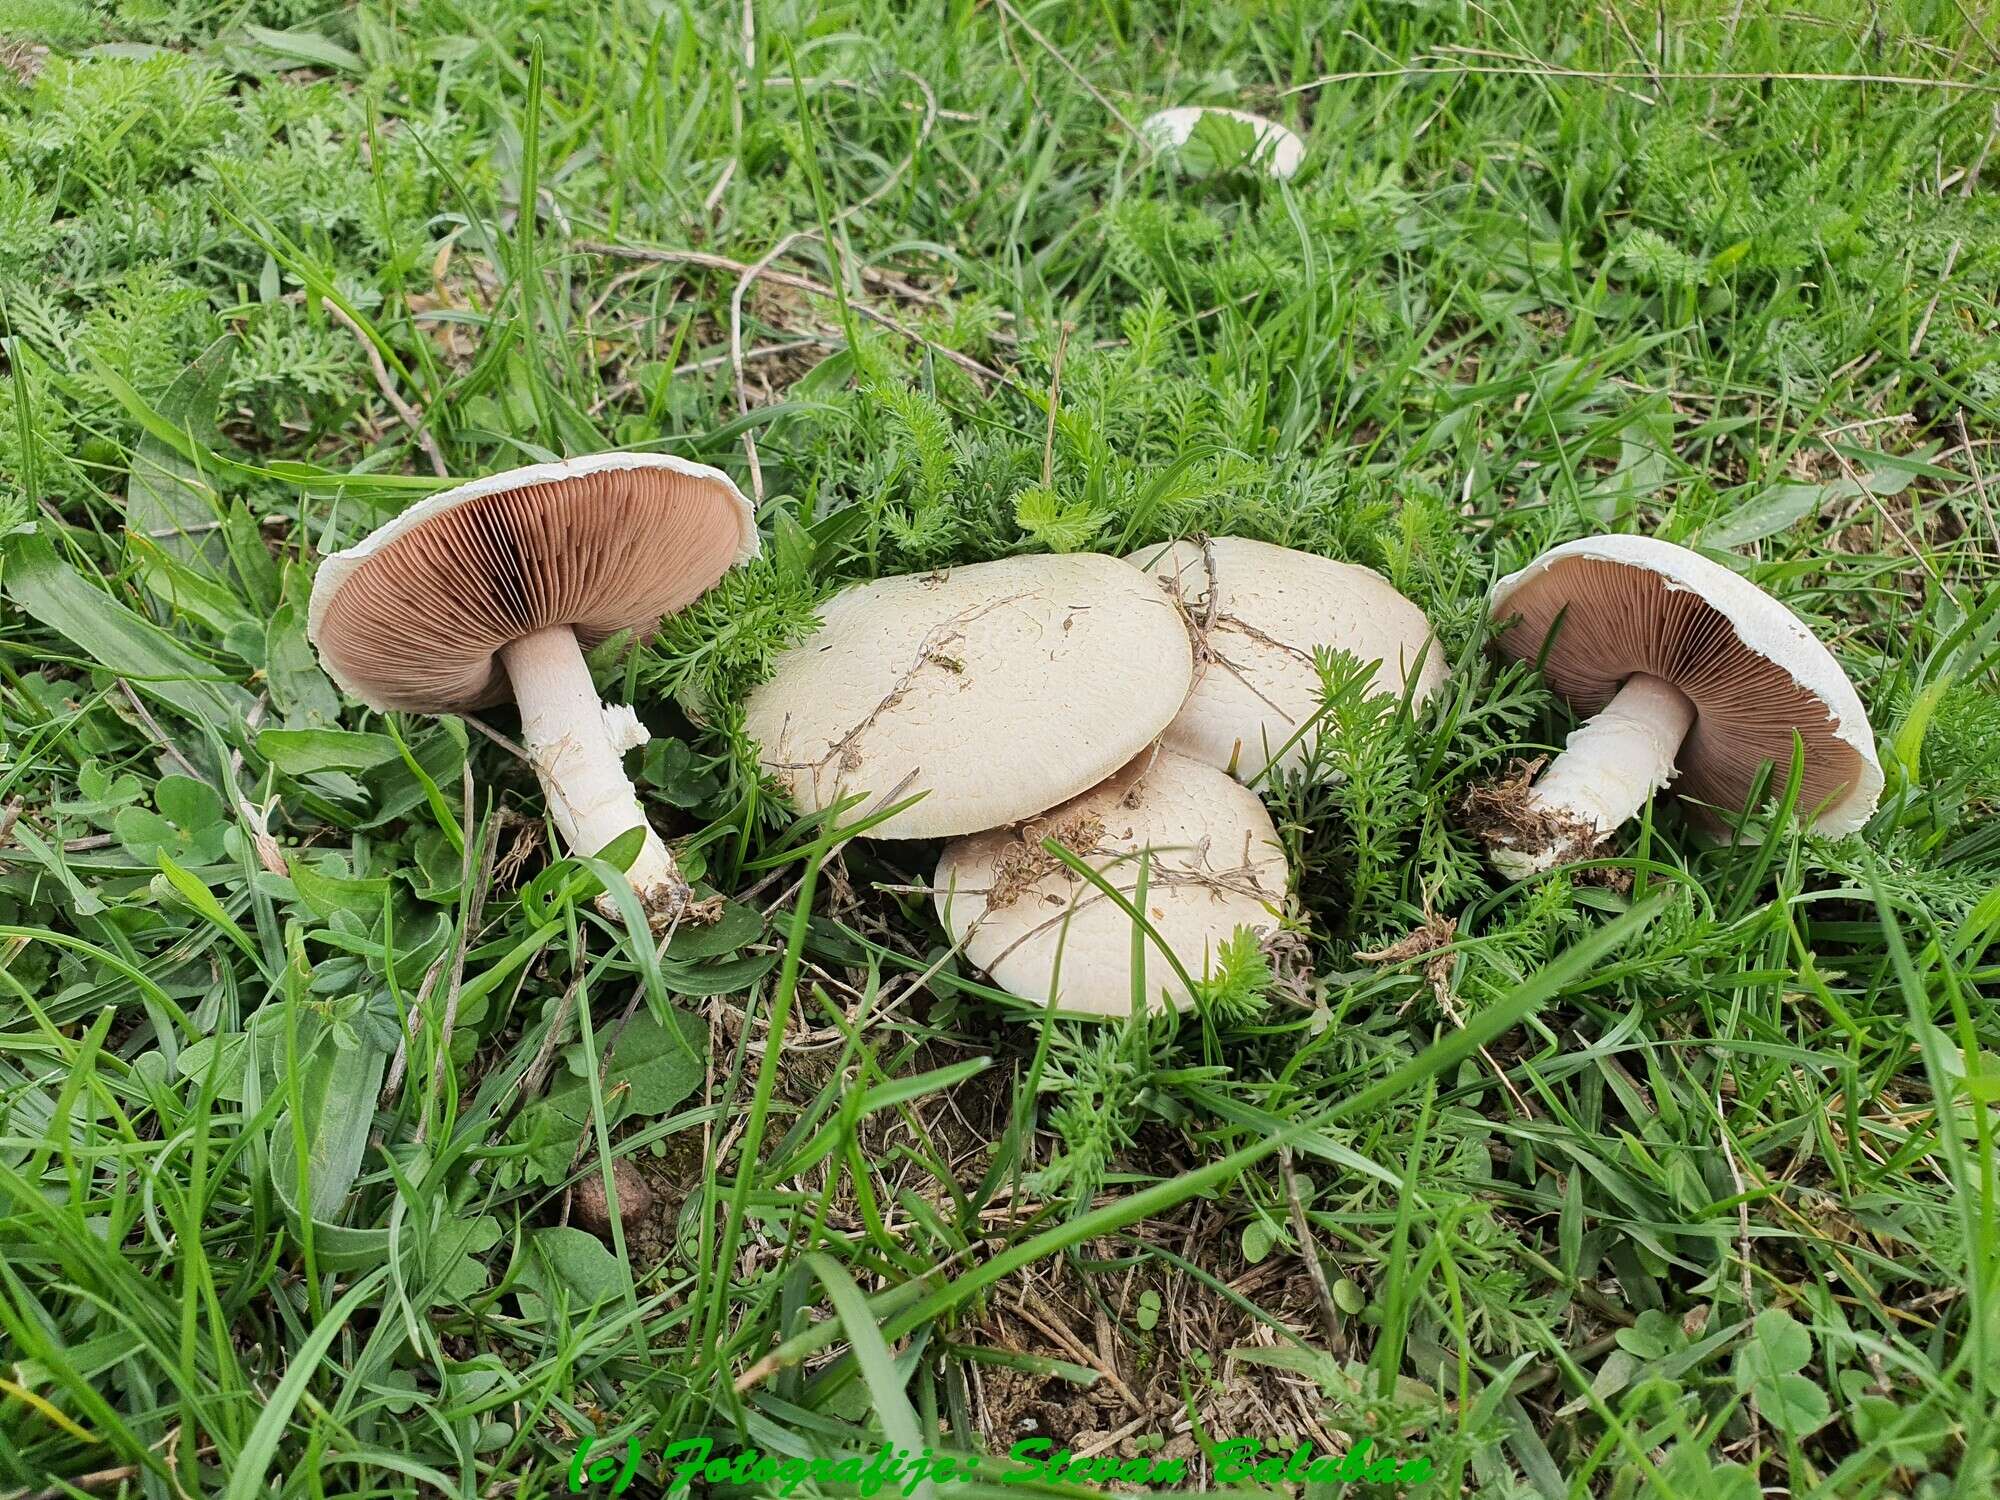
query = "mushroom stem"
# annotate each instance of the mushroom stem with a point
(1607, 770)
(575, 743)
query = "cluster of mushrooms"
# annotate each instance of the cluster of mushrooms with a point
(1116, 706)
(1123, 708)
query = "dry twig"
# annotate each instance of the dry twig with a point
(412, 418)
(982, 373)
(1309, 1249)
(1053, 51)
(1434, 67)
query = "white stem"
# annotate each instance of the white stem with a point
(1608, 768)
(575, 743)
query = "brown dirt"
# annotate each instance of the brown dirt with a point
(24, 60)
(1147, 1379)
(1425, 942)
(651, 1190)
(1501, 814)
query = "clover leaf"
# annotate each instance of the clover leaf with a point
(1767, 1368)
(188, 827)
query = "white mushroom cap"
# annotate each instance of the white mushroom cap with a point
(1278, 151)
(1266, 610)
(1214, 865)
(415, 615)
(1752, 669)
(998, 690)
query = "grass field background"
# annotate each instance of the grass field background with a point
(1675, 1178)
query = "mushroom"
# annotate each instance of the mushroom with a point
(1213, 865)
(995, 690)
(492, 590)
(1259, 612)
(1689, 671)
(1277, 151)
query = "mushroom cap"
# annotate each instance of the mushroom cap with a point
(998, 690)
(1215, 865)
(1752, 668)
(1272, 607)
(1278, 150)
(414, 615)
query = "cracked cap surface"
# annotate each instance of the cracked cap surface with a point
(997, 690)
(1034, 924)
(1266, 609)
(413, 617)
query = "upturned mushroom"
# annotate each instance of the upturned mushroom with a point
(493, 590)
(1276, 151)
(1258, 613)
(1692, 675)
(1213, 865)
(993, 692)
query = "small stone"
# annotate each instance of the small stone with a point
(590, 1210)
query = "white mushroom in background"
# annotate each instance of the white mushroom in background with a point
(1693, 675)
(996, 691)
(1277, 152)
(1213, 865)
(1258, 613)
(493, 590)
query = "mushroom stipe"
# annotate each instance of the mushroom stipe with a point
(1506, 814)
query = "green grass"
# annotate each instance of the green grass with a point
(1674, 1193)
